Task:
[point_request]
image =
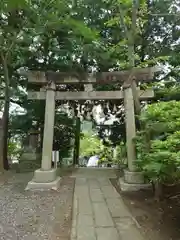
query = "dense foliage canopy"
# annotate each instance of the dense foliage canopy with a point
(82, 36)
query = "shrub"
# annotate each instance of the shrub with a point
(158, 145)
(121, 154)
(90, 144)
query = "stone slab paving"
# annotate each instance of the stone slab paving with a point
(94, 172)
(99, 212)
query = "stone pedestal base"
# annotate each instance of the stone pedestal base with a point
(30, 156)
(44, 176)
(29, 162)
(132, 187)
(133, 181)
(44, 180)
(133, 177)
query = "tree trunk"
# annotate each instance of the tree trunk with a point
(158, 191)
(131, 54)
(1, 147)
(5, 119)
(77, 141)
(5, 134)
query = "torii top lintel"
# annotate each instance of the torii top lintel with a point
(139, 74)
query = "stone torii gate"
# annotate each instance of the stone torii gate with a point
(46, 178)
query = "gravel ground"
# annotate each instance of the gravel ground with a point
(26, 215)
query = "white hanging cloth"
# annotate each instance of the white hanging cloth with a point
(93, 161)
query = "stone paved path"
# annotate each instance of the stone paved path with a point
(99, 212)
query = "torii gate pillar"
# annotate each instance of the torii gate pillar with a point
(46, 178)
(133, 180)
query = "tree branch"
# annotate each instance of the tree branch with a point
(130, 35)
(123, 23)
